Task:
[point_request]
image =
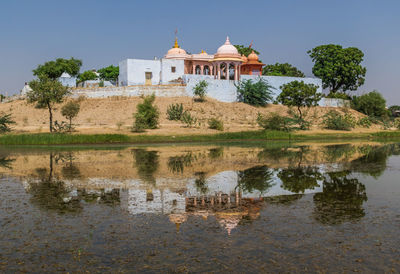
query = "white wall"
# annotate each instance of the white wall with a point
(166, 72)
(132, 71)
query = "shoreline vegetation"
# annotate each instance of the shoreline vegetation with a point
(88, 139)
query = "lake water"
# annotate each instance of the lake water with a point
(251, 207)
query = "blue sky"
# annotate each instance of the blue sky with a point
(105, 32)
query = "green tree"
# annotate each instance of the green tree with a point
(371, 104)
(256, 178)
(109, 73)
(5, 122)
(200, 90)
(147, 115)
(54, 69)
(394, 110)
(86, 76)
(254, 93)
(285, 69)
(299, 179)
(339, 68)
(243, 50)
(299, 94)
(46, 93)
(70, 110)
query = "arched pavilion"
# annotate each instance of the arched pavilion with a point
(227, 61)
(251, 65)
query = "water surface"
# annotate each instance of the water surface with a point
(240, 208)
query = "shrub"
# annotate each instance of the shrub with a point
(200, 90)
(5, 122)
(175, 112)
(188, 119)
(338, 95)
(397, 123)
(61, 127)
(255, 94)
(371, 104)
(215, 123)
(364, 122)
(334, 120)
(70, 110)
(147, 115)
(274, 121)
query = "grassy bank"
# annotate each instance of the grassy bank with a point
(65, 139)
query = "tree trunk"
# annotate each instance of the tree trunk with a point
(70, 124)
(300, 115)
(50, 117)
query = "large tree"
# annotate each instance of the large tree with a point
(243, 50)
(285, 69)
(299, 94)
(339, 68)
(109, 73)
(87, 75)
(371, 104)
(54, 69)
(46, 93)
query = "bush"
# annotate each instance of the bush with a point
(61, 127)
(364, 122)
(334, 120)
(70, 110)
(200, 90)
(175, 112)
(147, 115)
(371, 104)
(338, 95)
(255, 94)
(274, 121)
(5, 122)
(215, 123)
(188, 119)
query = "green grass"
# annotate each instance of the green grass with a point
(82, 139)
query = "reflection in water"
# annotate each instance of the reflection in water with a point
(147, 163)
(177, 164)
(298, 180)
(256, 178)
(216, 153)
(341, 199)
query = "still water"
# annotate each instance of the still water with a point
(201, 208)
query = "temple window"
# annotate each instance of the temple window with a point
(173, 69)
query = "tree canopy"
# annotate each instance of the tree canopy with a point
(46, 93)
(87, 75)
(243, 50)
(339, 68)
(285, 69)
(371, 104)
(254, 93)
(109, 73)
(299, 94)
(54, 69)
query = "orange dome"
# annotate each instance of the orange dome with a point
(253, 56)
(244, 58)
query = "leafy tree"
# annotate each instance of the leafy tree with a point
(109, 73)
(285, 69)
(299, 94)
(54, 69)
(243, 50)
(200, 90)
(46, 93)
(5, 122)
(339, 68)
(87, 76)
(70, 110)
(394, 110)
(371, 104)
(254, 93)
(256, 178)
(147, 115)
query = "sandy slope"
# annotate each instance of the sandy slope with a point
(104, 115)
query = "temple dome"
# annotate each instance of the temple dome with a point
(253, 56)
(244, 58)
(227, 49)
(176, 52)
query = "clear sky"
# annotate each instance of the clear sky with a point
(104, 32)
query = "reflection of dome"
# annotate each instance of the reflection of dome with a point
(253, 56)
(229, 220)
(177, 219)
(227, 48)
(176, 52)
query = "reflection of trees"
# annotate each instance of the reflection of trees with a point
(297, 180)
(147, 163)
(256, 178)
(333, 153)
(177, 164)
(6, 162)
(293, 155)
(104, 197)
(216, 153)
(283, 199)
(201, 183)
(69, 170)
(341, 200)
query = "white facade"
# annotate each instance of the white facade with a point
(162, 71)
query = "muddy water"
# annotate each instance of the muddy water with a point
(210, 208)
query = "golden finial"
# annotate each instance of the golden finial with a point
(176, 43)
